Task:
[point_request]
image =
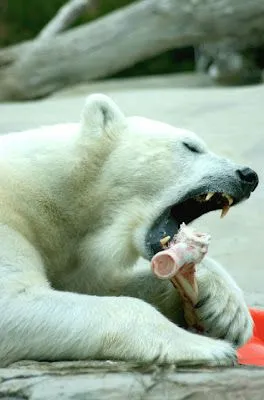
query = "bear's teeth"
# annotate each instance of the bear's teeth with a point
(164, 241)
(225, 211)
(229, 198)
(209, 196)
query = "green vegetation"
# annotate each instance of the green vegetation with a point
(23, 19)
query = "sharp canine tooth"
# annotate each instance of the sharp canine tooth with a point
(229, 198)
(164, 240)
(209, 196)
(225, 211)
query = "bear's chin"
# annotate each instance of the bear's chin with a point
(187, 210)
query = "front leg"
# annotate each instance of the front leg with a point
(221, 307)
(40, 323)
(143, 284)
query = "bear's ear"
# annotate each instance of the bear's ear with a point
(101, 115)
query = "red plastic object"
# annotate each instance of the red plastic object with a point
(252, 353)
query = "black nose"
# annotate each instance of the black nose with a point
(248, 177)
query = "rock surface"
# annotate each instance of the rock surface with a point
(110, 380)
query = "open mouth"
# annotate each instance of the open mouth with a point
(187, 210)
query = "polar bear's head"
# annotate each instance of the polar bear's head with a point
(153, 177)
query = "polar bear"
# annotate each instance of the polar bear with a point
(83, 207)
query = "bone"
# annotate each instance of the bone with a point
(178, 263)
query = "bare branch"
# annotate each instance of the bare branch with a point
(64, 18)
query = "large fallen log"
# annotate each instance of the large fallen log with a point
(123, 38)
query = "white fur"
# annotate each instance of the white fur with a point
(76, 203)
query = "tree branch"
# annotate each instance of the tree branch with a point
(64, 18)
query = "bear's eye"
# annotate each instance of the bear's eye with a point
(192, 148)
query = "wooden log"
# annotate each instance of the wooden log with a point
(125, 37)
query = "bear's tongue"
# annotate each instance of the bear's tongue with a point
(164, 226)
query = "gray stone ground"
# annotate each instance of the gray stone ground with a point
(119, 381)
(231, 120)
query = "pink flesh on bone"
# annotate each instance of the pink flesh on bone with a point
(167, 263)
(178, 261)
